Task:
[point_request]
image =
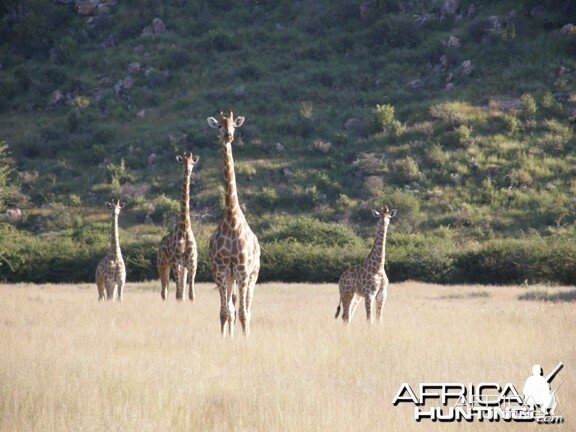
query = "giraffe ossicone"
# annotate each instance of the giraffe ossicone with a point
(234, 249)
(367, 279)
(178, 251)
(111, 271)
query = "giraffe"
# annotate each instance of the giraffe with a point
(111, 271)
(234, 249)
(178, 248)
(368, 279)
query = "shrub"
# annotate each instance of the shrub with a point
(550, 105)
(246, 169)
(383, 120)
(406, 169)
(321, 146)
(371, 164)
(6, 169)
(307, 230)
(511, 124)
(373, 186)
(81, 102)
(268, 197)
(300, 262)
(463, 135)
(407, 204)
(431, 265)
(529, 107)
(344, 202)
(165, 209)
(517, 261)
(547, 296)
(66, 49)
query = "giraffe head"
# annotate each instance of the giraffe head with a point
(115, 206)
(385, 215)
(188, 160)
(227, 125)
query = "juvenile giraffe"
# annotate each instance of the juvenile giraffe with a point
(111, 272)
(368, 279)
(234, 249)
(178, 248)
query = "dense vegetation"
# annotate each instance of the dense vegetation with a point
(460, 114)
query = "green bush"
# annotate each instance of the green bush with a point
(406, 170)
(529, 106)
(307, 230)
(463, 135)
(550, 105)
(6, 169)
(511, 124)
(518, 261)
(305, 262)
(408, 205)
(165, 209)
(383, 120)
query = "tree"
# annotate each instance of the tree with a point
(6, 169)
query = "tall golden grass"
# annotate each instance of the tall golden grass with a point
(68, 362)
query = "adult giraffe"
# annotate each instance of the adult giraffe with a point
(234, 249)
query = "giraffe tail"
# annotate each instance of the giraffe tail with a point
(338, 309)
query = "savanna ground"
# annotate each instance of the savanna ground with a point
(69, 362)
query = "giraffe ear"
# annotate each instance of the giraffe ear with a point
(109, 205)
(121, 204)
(212, 122)
(393, 213)
(179, 159)
(375, 213)
(195, 159)
(239, 121)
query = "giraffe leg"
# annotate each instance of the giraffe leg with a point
(346, 298)
(231, 305)
(180, 272)
(380, 300)
(355, 303)
(121, 284)
(191, 277)
(225, 286)
(249, 296)
(101, 288)
(223, 308)
(244, 315)
(369, 300)
(164, 273)
(110, 288)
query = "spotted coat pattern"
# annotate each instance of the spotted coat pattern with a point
(367, 280)
(234, 249)
(178, 251)
(111, 271)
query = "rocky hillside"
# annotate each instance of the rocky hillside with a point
(459, 113)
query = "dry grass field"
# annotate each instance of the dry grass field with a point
(70, 363)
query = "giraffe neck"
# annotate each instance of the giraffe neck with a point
(115, 247)
(184, 220)
(232, 213)
(378, 252)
